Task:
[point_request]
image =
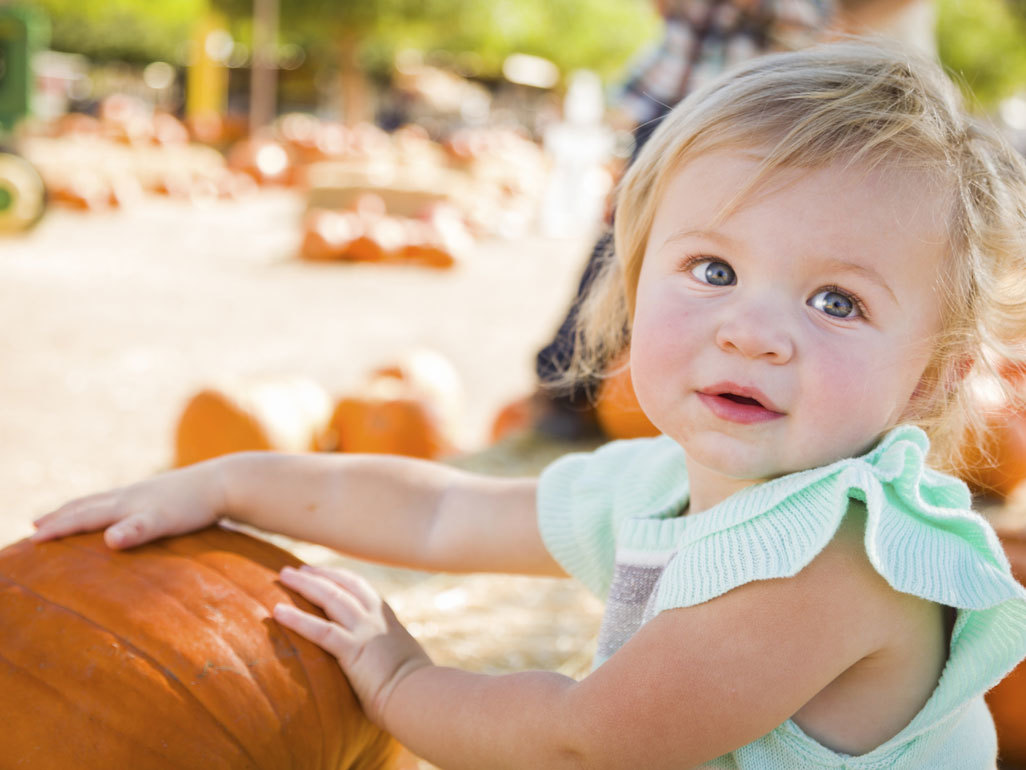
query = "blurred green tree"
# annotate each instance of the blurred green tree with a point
(983, 42)
(129, 30)
(597, 34)
(364, 35)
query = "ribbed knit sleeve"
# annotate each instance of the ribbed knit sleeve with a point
(583, 498)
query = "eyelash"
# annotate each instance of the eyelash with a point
(689, 262)
(856, 300)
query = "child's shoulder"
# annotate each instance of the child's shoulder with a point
(905, 637)
(844, 569)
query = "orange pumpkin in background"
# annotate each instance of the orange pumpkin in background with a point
(401, 425)
(412, 407)
(167, 657)
(617, 409)
(366, 234)
(269, 162)
(513, 418)
(995, 460)
(284, 415)
(1007, 701)
(328, 234)
(425, 245)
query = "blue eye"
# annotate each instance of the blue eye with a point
(836, 304)
(714, 273)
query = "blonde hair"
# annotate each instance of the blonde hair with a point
(853, 102)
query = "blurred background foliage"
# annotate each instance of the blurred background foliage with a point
(596, 34)
(982, 41)
(123, 30)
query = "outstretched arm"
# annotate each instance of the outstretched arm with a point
(395, 510)
(390, 509)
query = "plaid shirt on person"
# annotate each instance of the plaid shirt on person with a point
(702, 38)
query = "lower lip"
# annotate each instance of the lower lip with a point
(732, 411)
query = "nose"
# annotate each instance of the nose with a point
(757, 335)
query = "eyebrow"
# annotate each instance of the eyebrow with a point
(711, 235)
(835, 263)
(826, 263)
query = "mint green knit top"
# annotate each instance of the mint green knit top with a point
(612, 518)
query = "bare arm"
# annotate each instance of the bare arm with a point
(391, 509)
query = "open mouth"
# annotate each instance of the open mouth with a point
(739, 399)
(726, 401)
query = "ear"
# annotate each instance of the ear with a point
(928, 386)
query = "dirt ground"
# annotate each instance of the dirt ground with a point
(112, 320)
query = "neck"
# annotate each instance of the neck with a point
(708, 488)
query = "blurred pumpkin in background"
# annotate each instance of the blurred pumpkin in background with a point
(1007, 701)
(995, 458)
(410, 408)
(617, 409)
(281, 415)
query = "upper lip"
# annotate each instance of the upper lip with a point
(733, 389)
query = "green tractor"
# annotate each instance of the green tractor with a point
(23, 31)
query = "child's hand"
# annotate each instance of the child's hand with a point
(363, 633)
(170, 504)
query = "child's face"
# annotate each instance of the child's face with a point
(792, 332)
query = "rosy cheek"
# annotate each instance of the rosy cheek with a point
(857, 385)
(658, 331)
(664, 340)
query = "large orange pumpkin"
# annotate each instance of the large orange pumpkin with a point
(1007, 701)
(166, 656)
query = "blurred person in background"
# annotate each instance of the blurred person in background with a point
(701, 39)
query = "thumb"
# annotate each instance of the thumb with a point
(132, 530)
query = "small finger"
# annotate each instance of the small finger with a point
(351, 581)
(330, 636)
(337, 603)
(66, 508)
(132, 530)
(78, 516)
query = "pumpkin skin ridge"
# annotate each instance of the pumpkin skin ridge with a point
(258, 549)
(166, 545)
(243, 669)
(271, 556)
(158, 666)
(107, 726)
(163, 545)
(176, 683)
